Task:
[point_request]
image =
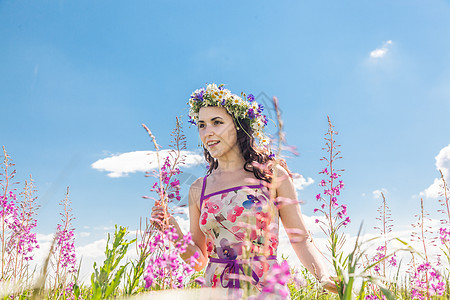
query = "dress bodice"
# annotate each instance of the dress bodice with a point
(240, 224)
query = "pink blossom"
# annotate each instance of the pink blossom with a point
(234, 212)
(276, 280)
(344, 209)
(215, 207)
(324, 171)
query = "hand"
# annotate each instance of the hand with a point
(329, 284)
(159, 213)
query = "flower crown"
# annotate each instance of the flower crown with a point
(244, 107)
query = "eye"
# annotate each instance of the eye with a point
(201, 125)
(216, 122)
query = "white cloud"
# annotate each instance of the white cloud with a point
(105, 228)
(377, 193)
(443, 164)
(140, 161)
(381, 52)
(301, 182)
(95, 249)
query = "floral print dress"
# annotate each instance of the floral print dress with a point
(240, 225)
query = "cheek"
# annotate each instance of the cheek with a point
(230, 134)
(201, 135)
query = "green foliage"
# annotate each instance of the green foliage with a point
(106, 279)
(135, 274)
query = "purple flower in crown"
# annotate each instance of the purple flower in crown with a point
(260, 108)
(265, 120)
(191, 121)
(199, 96)
(251, 113)
(251, 98)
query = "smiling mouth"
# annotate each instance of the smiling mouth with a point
(212, 144)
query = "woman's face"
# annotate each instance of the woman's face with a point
(217, 130)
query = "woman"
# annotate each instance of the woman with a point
(233, 217)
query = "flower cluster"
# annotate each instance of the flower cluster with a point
(172, 185)
(17, 220)
(426, 282)
(275, 281)
(332, 191)
(445, 235)
(19, 223)
(168, 269)
(244, 107)
(330, 207)
(380, 255)
(64, 258)
(65, 242)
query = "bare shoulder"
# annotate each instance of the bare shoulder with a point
(285, 185)
(195, 191)
(281, 172)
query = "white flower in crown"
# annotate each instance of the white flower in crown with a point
(244, 107)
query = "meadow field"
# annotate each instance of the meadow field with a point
(396, 270)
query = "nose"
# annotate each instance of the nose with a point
(207, 132)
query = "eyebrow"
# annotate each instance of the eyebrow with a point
(215, 118)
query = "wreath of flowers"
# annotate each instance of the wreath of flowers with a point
(244, 107)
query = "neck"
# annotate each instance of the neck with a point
(232, 162)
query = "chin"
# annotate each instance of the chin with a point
(216, 154)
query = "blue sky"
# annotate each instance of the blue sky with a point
(77, 80)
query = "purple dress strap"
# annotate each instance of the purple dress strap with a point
(203, 192)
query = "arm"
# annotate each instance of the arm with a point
(198, 236)
(301, 241)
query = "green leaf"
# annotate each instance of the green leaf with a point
(387, 293)
(115, 283)
(76, 290)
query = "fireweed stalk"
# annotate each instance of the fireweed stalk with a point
(444, 231)
(165, 268)
(385, 228)
(167, 186)
(381, 260)
(23, 241)
(8, 199)
(426, 280)
(335, 214)
(17, 218)
(64, 258)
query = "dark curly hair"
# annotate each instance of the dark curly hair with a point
(257, 161)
